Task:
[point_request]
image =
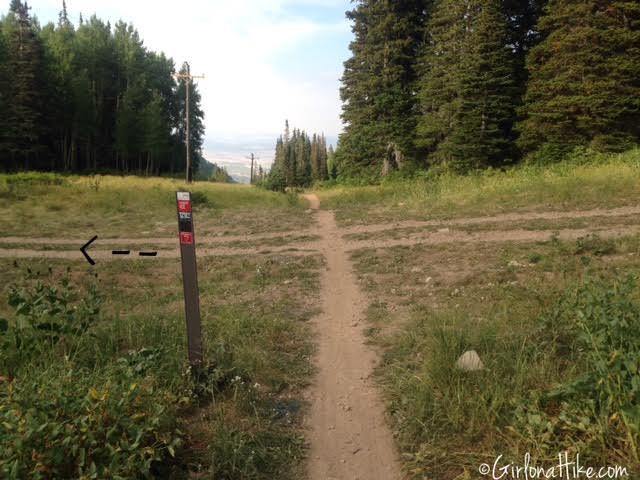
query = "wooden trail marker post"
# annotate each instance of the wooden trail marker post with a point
(190, 278)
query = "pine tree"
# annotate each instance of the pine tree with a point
(25, 126)
(315, 157)
(584, 88)
(59, 46)
(379, 107)
(522, 20)
(323, 155)
(439, 93)
(298, 160)
(482, 134)
(4, 91)
(468, 87)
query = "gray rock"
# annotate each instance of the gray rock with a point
(470, 362)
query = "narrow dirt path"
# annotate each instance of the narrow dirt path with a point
(349, 435)
(501, 218)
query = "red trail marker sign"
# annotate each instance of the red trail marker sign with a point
(190, 277)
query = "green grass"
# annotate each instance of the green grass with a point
(118, 399)
(35, 204)
(557, 334)
(595, 181)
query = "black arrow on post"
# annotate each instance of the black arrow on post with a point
(84, 252)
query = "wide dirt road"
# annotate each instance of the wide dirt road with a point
(349, 436)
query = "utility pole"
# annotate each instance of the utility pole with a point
(253, 159)
(188, 78)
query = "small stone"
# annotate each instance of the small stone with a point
(515, 264)
(356, 451)
(470, 361)
(443, 230)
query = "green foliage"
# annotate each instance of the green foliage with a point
(378, 83)
(595, 245)
(571, 364)
(65, 416)
(112, 105)
(79, 424)
(28, 180)
(597, 324)
(468, 91)
(45, 316)
(441, 82)
(584, 180)
(24, 120)
(298, 162)
(583, 87)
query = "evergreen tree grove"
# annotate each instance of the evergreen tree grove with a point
(468, 90)
(90, 98)
(482, 134)
(584, 86)
(379, 106)
(299, 161)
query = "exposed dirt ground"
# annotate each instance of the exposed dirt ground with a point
(348, 433)
(349, 436)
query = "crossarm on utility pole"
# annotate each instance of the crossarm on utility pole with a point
(188, 79)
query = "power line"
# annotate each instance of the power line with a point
(188, 79)
(253, 159)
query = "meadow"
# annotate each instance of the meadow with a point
(94, 378)
(94, 381)
(585, 180)
(52, 205)
(555, 322)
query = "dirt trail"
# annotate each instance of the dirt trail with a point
(206, 239)
(294, 243)
(348, 433)
(437, 238)
(502, 218)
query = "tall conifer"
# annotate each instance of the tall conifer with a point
(482, 134)
(25, 126)
(584, 87)
(378, 84)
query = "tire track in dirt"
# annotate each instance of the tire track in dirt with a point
(349, 436)
(438, 238)
(300, 246)
(105, 255)
(313, 247)
(158, 240)
(502, 218)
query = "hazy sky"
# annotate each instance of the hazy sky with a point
(264, 61)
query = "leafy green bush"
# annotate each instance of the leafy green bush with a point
(596, 325)
(29, 179)
(45, 316)
(79, 424)
(62, 416)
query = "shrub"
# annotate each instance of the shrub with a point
(595, 244)
(29, 179)
(45, 316)
(596, 325)
(78, 424)
(61, 417)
